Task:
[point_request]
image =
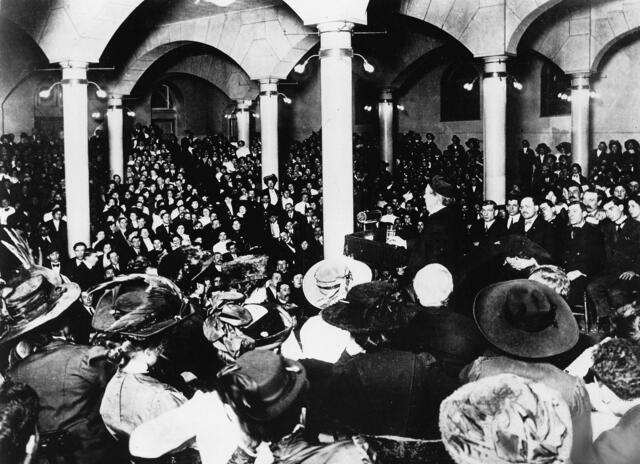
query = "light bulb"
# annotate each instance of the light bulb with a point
(400, 107)
(517, 85)
(101, 93)
(468, 86)
(287, 100)
(299, 68)
(368, 67)
(131, 114)
(95, 115)
(45, 93)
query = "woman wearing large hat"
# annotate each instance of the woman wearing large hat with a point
(527, 323)
(325, 283)
(376, 388)
(69, 378)
(135, 314)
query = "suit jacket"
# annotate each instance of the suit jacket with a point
(622, 248)
(79, 273)
(162, 234)
(59, 235)
(70, 380)
(487, 238)
(266, 192)
(526, 162)
(581, 249)
(540, 232)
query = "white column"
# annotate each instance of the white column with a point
(115, 120)
(243, 119)
(269, 126)
(580, 120)
(494, 119)
(337, 132)
(76, 151)
(385, 119)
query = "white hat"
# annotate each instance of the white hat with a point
(433, 284)
(329, 280)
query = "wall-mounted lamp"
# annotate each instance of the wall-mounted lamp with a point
(468, 86)
(285, 99)
(368, 108)
(97, 115)
(400, 107)
(368, 67)
(566, 96)
(46, 93)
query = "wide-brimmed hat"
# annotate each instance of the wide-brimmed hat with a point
(525, 318)
(272, 177)
(139, 306)
(523, 247)
(329, 280)
(34, 295)
(262, 385)
(506, 419)
(372, 307)
(273, 338)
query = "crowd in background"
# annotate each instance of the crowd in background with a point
(487, 290)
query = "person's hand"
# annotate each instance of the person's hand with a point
(628, 275)
(573, 275)
(397, 241)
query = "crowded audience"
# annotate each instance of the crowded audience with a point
(203, 324)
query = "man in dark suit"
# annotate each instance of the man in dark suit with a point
(513, 213)
(620, 278)
(534, 227)
(163, 231)
(526, 159)
(581, 251)
(76, 269)
(290, 214)
(487, 233)
(597, 156)
(58, 231)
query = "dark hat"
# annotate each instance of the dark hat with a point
(273, 334)
(262, 385)
(523, 247)
(272, 177)
(472, 141)
(371, 307)
(543, 147)
(34, 296)
(564, 146)
(442, 187)
(525, 318)
(139, 306)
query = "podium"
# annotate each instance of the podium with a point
(368, 247)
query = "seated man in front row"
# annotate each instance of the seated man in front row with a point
(620, 278)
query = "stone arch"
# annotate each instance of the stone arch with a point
(258, 40)
(526, 13)
(603, 49)
(220, 71)
(70, 29)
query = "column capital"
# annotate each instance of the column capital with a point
(74, 72)
(268, 87)
(580, 81)
(244, 105)
(495, 65)
(115, 101)
(386, 94)
(335, 26)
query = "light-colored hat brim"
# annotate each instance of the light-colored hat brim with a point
(360, 274)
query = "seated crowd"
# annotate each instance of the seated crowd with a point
(202, 324)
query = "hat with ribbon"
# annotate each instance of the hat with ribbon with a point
(506, 419)
(372, 307)
(33, 295)
(525, 318)
(139, 306)
(262, 385)
(329, 280)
